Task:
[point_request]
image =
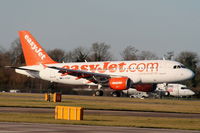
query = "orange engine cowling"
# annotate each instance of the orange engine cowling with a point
(119, 83)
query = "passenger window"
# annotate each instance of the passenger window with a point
(174, 67)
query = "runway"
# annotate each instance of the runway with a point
(10, 127)
(104, 112)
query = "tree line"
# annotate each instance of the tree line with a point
(98, 51)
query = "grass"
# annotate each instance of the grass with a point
(110, 103)
(128, 121)
(89, 102)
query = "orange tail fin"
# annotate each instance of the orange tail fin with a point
(34, 54)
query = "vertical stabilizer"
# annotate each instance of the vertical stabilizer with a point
(34, 54)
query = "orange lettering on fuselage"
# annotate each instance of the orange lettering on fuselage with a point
(84, 67)
(121, 67)
(141, 67)
(132, 67)
(115, 67)
(152, 66)
(93, 68)
(75, 67)
(104, 68)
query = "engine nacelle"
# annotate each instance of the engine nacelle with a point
(145, 87)
(119, 83)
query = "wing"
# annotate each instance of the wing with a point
(92, 77)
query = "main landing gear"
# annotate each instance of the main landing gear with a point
(51, 88)
(99, 92)
(116, 93)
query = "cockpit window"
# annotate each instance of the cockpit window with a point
(183, 88)
(182, 66)
(178, 66)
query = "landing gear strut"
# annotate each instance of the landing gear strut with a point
(99, 92)
(51, 88)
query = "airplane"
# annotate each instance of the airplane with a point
(172, 89)
(176, 90)
(117, 75)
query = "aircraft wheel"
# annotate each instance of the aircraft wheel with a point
(167, 93)
(99, 93)
(116, 94)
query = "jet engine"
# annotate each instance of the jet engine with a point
(119, 83)
(145, 87)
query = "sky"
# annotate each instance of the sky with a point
(158, 26)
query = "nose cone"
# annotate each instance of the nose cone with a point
(189, 74)
(191, 93)
(186, 74)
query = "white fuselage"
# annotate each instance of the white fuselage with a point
(145, 71)
(176, 89)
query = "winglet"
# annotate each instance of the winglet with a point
(34, 54)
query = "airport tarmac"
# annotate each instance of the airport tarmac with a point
(104, 112)
(11, 127)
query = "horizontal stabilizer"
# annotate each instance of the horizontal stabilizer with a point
(20, 68)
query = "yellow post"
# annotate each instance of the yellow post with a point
(47, 97)
(57, 97)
